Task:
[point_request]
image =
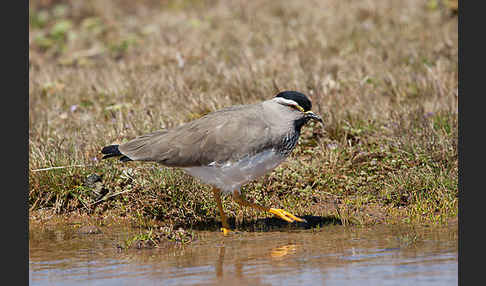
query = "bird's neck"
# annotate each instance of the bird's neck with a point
(288, 142)
(299, 123)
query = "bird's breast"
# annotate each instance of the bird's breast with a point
(288, 142)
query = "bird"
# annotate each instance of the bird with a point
(228, 148)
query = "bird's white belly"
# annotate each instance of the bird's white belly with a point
(232, 175)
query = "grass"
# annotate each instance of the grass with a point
(164, 238)
(383, 75)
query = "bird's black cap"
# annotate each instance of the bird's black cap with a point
(298, 97)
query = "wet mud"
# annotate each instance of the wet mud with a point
(330, 255)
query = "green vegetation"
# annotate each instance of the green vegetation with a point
(166, 237)
(384, 76)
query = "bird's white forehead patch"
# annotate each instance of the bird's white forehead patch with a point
(285, 101)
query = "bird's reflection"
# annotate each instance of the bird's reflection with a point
(278, 253)
(282, 251)
(219, 263)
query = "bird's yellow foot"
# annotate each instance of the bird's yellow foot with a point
(286, 215)
(225, 231)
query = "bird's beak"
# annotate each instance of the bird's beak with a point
(314, 116)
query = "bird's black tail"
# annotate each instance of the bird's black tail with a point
(112, 151)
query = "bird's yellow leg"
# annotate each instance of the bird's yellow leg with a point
(224, 222)
(278, 212)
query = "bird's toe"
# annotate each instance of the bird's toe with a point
(225, 231)
(286, 215)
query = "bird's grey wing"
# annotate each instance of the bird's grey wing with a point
(228, 134)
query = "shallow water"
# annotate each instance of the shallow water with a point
(332, 255)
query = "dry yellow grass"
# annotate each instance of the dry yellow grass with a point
(383, 74)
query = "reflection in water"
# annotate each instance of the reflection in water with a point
(334, 255)
(276, 253)
(280, 252)
(219, 264)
